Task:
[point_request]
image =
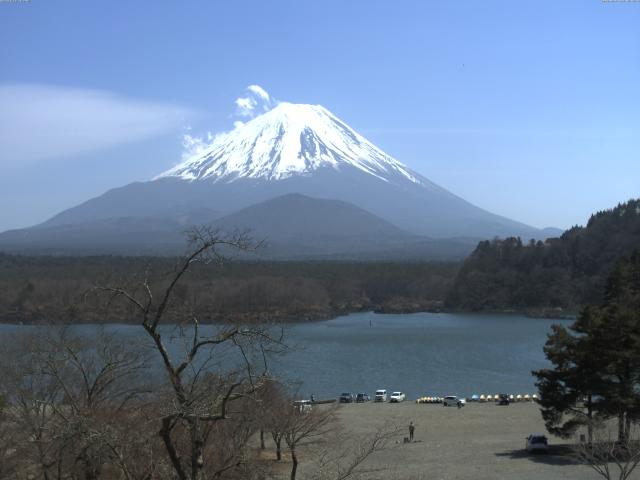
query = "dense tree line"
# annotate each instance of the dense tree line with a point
(558, 274)
(555, 276)
(39, 288)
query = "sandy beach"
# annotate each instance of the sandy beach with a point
(479, 441)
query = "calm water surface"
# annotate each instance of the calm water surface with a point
(420, 354)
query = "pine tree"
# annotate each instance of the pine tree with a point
(596, 361)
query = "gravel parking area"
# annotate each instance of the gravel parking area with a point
(476, 442)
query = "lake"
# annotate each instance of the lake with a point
(419, 354)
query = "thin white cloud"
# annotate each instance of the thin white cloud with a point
(195, 146)
(255, 102)
(39, 122)
(261, 92)
(245, 106)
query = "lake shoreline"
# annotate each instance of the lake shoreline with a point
(300, 317)
(293, 320)
(421, 354)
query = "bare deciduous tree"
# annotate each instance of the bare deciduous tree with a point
(68, 396)
(87, 407)
(8, 452)
(204, 381)
(607, 455)
(304, 427)
(345, 456)
(334, 453)
(271, 402)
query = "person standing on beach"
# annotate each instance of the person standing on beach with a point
(411, 430)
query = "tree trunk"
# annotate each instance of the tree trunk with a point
(262, 446)
(590, 416)
(294, 464)
(621, 434)
(197, 454)
(90, 472)
(627, 428)
(165, 434)
(277, 439)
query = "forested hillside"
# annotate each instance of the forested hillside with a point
(43, 289)
(552, 277)
(557, 275)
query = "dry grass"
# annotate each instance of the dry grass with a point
(476, 442)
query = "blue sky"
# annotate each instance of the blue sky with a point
(528, 109)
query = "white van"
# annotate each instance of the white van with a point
(381, 396)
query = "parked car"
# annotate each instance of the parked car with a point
(396, 397)
(536, 442)
(346, 398)
(453, 401)
(362, 397)
(381, 396)
(503, 399)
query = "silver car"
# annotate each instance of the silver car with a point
(453, 401)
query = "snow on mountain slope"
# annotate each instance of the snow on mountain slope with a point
(291, 139)
(293, 149)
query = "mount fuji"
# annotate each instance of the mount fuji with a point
(302, 153)
(288, 141)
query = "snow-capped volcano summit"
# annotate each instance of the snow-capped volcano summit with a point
(291, 139)
(297, 174)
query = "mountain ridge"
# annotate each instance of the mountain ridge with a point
(291, 226)
(291, 149)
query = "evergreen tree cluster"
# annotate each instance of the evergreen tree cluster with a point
(596, 361)
(559, 273)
